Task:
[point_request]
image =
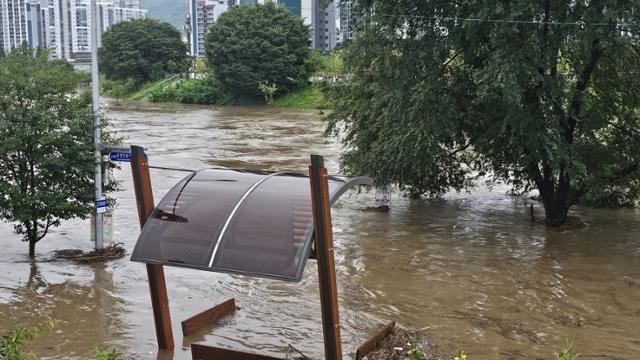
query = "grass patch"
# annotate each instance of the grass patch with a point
(310, 97)
(13, 343)
(130, 90)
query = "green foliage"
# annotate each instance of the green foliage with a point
(268, 90)
(327, 64)
(106, 353)
(205, 91)
(120, 90)
(12, 344)
(117, 88)
(258, 43)
(309, 97)
(460, 355)
(142, 50)
(566, 353)
(201, 66)
(416, 354)
(46, 152)
(435, 100)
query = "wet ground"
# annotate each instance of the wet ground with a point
(471, 270)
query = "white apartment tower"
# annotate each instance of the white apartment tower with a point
(57, 28)
(34, 25)
(62, 26)
(203, 14)
(110, 13)
(13, 29)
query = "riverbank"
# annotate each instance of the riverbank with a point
(310, 97)
(206, 91)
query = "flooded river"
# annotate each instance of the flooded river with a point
(470, 270)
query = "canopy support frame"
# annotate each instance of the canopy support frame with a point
(155, 272)
(323, 249)
(321, 205)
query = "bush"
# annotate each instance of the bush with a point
(205, 91)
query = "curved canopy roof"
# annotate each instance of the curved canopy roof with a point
(234, 221)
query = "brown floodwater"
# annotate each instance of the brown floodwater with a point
(470, 270)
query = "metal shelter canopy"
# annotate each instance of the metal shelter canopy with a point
(234, 221)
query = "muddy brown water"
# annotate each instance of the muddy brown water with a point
(470, 270)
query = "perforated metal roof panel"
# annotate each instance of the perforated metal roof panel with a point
(250, 223)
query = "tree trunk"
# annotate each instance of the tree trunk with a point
(556, 213)
(32, 248)
(556, 200)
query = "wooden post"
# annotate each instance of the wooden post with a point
(326, 261)
(203, 352)
(208, 317)
(375, 341)
(155, 273)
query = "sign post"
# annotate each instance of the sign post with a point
(95, 78)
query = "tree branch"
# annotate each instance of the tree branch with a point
(624, 172)
(583, 81)
(46, 230)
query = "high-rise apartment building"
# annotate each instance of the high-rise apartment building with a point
(62, 26)
(109, 14)
(202, 17)
(347, 22)
(13, 29)
(34, 25)
(57, 28)
(322, 20)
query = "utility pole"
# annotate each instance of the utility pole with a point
(95, 79)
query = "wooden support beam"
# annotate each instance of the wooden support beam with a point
(208, 317)
(203, 352)
(155, 273)
(326, 261)
(371, 344)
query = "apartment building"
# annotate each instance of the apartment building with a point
(62, 26)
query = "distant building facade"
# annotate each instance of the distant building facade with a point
(323, 21)
(13, 30)
(202, 16)
(62, 26)
(346, 22)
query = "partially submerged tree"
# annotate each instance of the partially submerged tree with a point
(250, 44)
(46, 144)
(543, 95)
(142, 50)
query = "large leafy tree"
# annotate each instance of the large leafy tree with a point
(254, 44)
(544, 95)
(46, 144)
(142, 50)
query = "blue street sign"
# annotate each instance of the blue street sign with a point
(120, 156)
(101, 205)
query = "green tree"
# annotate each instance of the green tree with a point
(251, 44)
(120, 89)
(46, 148)
(143, 50)
(540, 94)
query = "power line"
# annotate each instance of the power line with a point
(503, 21)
